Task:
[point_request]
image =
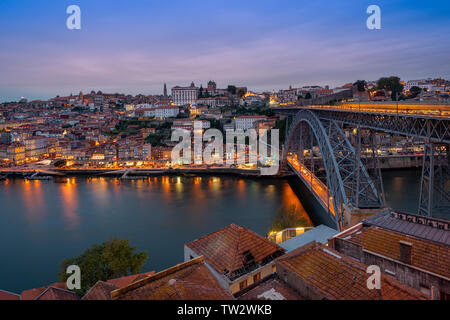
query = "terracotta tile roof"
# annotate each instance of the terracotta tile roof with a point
(339, 277)
(431, 229)
(191, 280)
(228, 248)
(124, 281)
(425, 255)
(100, 291)
(52, 293)
(32, 294)
(272, 288)
(5, 295)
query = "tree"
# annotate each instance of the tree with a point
(308, 96)
(241, 93)
(289, 217)
(415, 91)
(361, 85)
(391, 84)
(232, 89)
(112, 259)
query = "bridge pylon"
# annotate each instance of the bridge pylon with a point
(435, 184)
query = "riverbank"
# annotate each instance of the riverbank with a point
(139, 172)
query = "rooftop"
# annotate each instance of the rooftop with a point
(5, 295)
(100, 291)
(425, 255)
(336, 276)
(432, 229)
(53, 293)
(32, 294)
(320, 234)
(271, 288)
(191, 280)
(234, 249)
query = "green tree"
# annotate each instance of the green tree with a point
(391, 84)
(154, 139)
(415, 91)
(308, 96)
(289, 217)
(241, 93)
(361, 85)
(114, 258)
(232, 89)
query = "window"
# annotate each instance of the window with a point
(425, 290)
(257, 277)
(274, 268)
(243, 285)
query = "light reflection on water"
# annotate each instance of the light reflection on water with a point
(44, 222)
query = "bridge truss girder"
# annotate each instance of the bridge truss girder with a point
(435, 130)
(348, 182)
(435, 184)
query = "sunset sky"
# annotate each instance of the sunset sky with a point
(135, 46)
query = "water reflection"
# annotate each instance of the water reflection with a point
(33, 200)
(70, 202)
(291, 213)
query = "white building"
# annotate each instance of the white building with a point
(246, 122)
(418, 83)
(185, 95)
(147, 151)
(166, 111)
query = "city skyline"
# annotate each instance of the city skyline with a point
(264, 46)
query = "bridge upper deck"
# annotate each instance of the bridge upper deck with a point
(410, 109)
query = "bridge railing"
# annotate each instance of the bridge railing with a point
(418, 109)
(314, 183)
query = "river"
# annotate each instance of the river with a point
(44, 222)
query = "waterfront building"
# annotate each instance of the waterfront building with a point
(190, 280)
(236, 256)
(147, 151)
(183, 96)
(36, 147)
(413, 249)
(14, 153)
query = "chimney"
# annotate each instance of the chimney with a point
(405, 252)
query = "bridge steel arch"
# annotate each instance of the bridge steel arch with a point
(348, 181)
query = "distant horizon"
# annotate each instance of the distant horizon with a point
(198, 84)
(135, 47)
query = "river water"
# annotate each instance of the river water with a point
(44, 222)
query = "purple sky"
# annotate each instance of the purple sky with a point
(135, 46)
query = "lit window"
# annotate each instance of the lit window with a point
(243, 285)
